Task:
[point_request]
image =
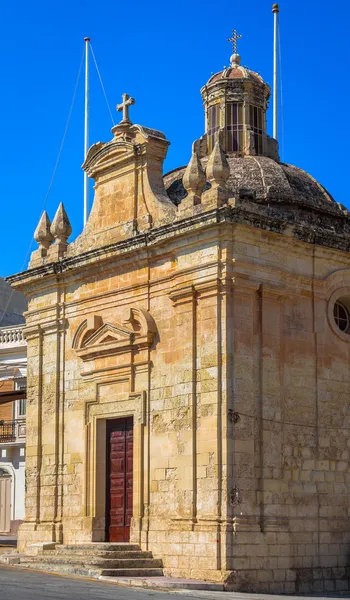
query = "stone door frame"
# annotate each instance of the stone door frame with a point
(97, 413)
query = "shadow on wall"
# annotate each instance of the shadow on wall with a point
(12, 305)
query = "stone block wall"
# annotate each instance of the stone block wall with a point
(292, 438)
(240, 406)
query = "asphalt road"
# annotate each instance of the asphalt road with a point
(19, 584)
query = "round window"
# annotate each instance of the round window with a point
(338, 312)
(342, 316)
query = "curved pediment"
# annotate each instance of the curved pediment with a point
(104, 156)
(94, 338)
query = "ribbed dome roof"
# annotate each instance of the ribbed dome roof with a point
(264, 181)
(236, 71)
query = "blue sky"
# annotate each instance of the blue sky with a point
(160, 53)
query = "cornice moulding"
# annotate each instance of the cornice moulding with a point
(164, 233)
(182, 294)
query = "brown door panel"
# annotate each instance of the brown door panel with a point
(119, 479)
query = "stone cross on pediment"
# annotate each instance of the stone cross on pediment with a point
(124, 106)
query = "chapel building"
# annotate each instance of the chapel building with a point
(188, 357)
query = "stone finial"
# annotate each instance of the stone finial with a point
(218, 169)
(42, 234)
(44, 237)
(194, 180)
(61, 230)
(218, 172)
(61, 227)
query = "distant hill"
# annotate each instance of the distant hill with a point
(12, 305)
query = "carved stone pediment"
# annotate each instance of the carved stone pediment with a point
(94, 338)
(102, 157)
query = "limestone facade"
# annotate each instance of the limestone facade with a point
(202, 305)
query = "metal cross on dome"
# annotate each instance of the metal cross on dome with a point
(234, 39)
(124, 106)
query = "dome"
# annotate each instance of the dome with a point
(235, 105)
(236, 71)
(263, 181)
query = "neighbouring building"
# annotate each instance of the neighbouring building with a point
(13, 371)
(188, 357)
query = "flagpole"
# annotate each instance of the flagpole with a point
(86, 129)
(275, 10)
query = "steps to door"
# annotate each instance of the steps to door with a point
(96, 560)
(122, 563)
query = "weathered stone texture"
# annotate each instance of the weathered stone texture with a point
(266, 498)
(212, 325)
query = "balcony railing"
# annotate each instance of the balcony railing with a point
(12, 336)
(12, 431)
(7, 431)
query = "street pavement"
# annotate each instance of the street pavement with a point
(20, 584)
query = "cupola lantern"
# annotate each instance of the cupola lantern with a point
(235, 102)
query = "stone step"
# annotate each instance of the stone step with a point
(101, 554)
(132, 573)
(65, 569)
(168, 583)
(87, 571)
(97, 547)
(96, 562)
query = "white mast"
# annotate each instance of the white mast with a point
(275, 10)
(86, 129)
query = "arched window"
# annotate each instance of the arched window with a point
(213, 124)
(234, 127)
(256, 123)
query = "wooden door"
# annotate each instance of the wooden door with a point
(5, 504)
(119, 479)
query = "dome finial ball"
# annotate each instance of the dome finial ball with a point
(275, 8)
(235, 60)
